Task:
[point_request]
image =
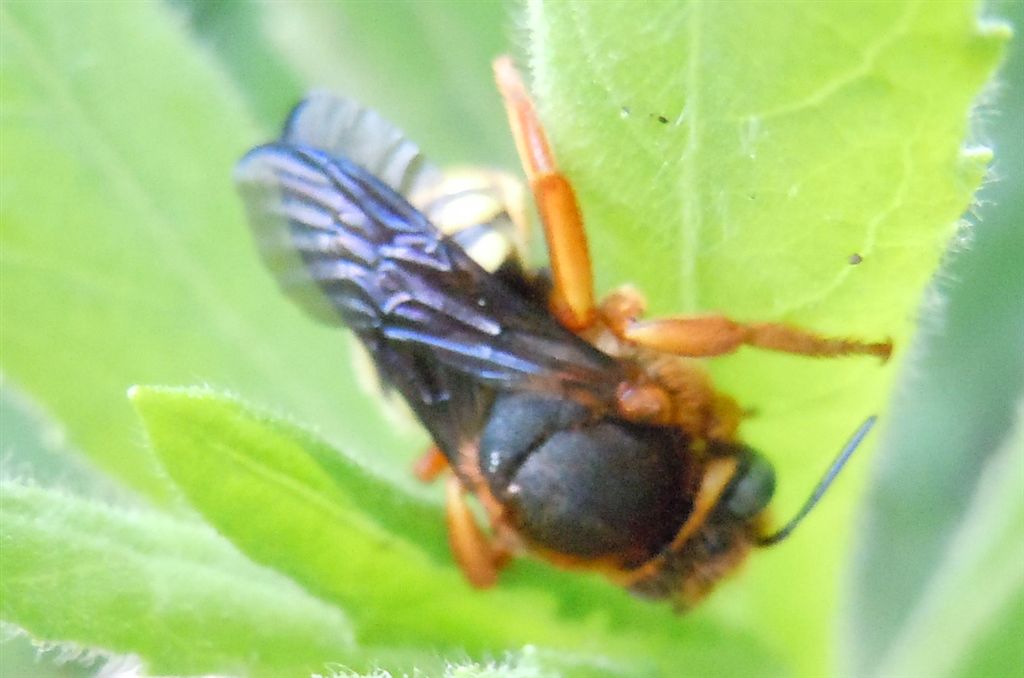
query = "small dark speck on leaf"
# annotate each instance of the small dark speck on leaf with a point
(624, 113)
(855, 259)
(662, 119)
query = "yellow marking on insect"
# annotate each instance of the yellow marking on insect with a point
(482, 210)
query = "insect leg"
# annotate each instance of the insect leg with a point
(573, 295)
(475, 554)
(714, 335)
(430, 465)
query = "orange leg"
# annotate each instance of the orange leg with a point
(430, 465)
(680, 394)
(714, 335)
(573, 295)
(479, 558)
(476, 555)
(717, 335)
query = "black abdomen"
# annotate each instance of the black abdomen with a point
(582, 486)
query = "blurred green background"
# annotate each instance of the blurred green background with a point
(427, 65)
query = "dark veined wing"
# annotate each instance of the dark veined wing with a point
(438, 326)
(477, 207)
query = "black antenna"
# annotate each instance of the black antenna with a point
(823, 484)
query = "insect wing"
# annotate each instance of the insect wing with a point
(482, 209)
(434, 321)
(343, 128)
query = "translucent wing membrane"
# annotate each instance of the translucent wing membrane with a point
(440, 328)
(346, 129)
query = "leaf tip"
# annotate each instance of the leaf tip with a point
(144, 396)
(152, 403)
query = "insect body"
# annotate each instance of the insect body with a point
(584, 432)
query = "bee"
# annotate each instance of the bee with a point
(590, 436)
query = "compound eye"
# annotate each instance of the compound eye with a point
(751, 489)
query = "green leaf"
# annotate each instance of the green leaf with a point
(263, 484)
(997, 650)
(977, 587)
(172, 592)
(232, 32)
(954, 408)
(452, 111)
(34, 447)
(746, 151)
(450, 108)
(124, 252)
(125, 258)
